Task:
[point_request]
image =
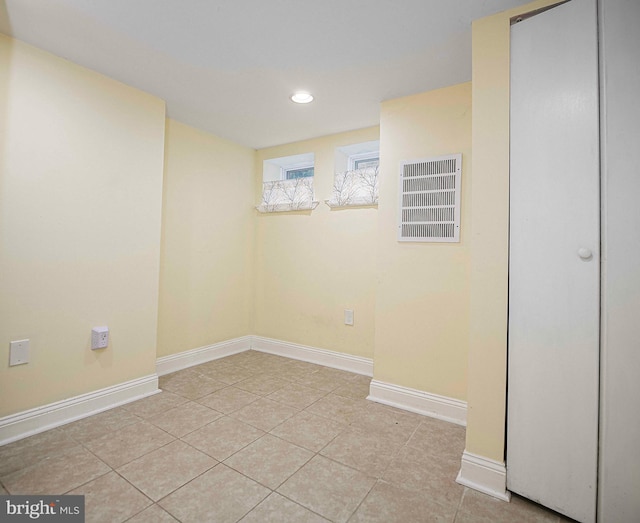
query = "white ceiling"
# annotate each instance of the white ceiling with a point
(229, 66)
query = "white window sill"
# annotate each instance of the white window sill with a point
(357, 202)
(287, 207)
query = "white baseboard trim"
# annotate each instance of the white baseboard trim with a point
(485, 475)
(189, 358)
(433, 405)
(39, 419)
(336, 360)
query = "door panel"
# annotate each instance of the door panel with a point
(619, 470)
(552, 427)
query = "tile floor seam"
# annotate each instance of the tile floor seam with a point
(183, 485)
(283, 481)
(348, 466)
(137, 457)
(390, 461)
(344, 429)
(262, 484)
(195, 430)
(455, 515)
(383, 481)
(292, 501)
(363, 499)
(128, 482)
(135, 487)
(87, 482)
(140, 512)
(208, 470)
(235, 452)
(180, 486)
(412, 434)
(198, 450)
(285, 441)
(40, 462)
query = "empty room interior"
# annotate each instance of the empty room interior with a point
(413, 296)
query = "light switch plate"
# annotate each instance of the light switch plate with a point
(348, 317)
(18, 352)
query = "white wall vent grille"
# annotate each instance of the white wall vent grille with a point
(430, 199)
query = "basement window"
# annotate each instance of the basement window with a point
(364, 161)
(355, 183)
(288, 184)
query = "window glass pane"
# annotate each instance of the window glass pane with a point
(306, 172)
(365, 163)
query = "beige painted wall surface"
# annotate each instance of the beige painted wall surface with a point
(207, 234)
(310, 266)
(81, 160)
(422, 297)
(486, 396)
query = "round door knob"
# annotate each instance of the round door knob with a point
(585, 253)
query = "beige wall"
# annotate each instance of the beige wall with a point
(81, 159)
(80, 195)
(422, 296)
(310, 266)
(486, 396)
(207, 234)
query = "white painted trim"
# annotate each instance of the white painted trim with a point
(336, 360)
(485, 475)
(39, 419)
(287, 207)
(433, 405)
(189, 358)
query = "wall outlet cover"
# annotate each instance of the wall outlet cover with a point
(18, 352)
(99, 337)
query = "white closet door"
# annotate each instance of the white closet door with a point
(552, 424)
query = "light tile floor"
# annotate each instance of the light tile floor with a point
(258, 438)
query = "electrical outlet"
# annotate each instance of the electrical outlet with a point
(18, 352)
(99, 337)
(348, 317)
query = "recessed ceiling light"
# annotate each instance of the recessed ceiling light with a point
(301, 97)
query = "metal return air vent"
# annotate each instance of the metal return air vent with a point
(430, 200)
